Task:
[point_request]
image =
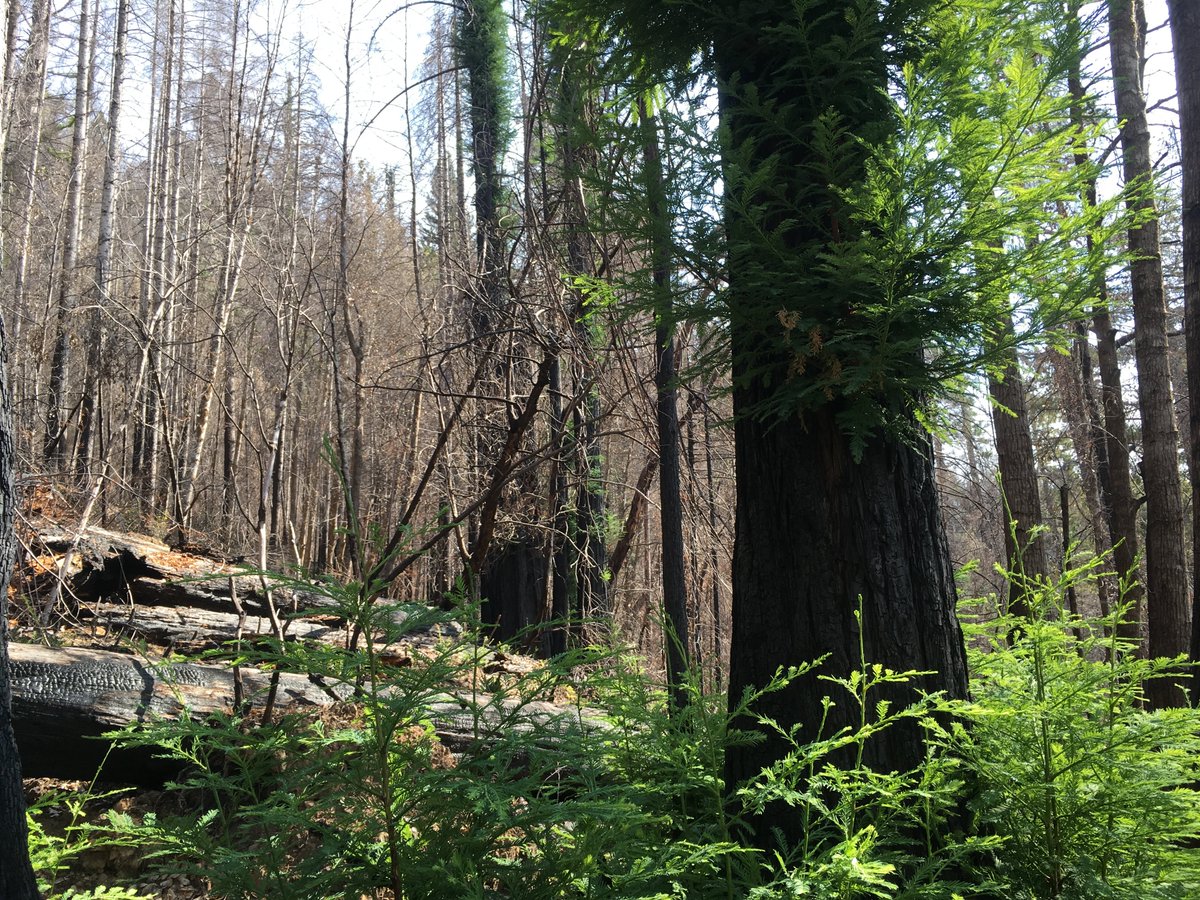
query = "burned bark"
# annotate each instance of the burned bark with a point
(64, 700)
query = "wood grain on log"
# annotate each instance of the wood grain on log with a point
(65, 699)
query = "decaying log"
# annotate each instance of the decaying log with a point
(144, 571)
(136, 586)
(126, 586)
(64, 699)
(191, 630)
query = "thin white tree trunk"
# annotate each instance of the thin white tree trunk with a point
(53, 444)
(104, 243)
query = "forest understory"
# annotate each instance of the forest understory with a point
(600, 449)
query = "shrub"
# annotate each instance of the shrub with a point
(1093, 793)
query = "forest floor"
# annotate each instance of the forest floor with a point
(65, 804)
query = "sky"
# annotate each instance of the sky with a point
(387, 39)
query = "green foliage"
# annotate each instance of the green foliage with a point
(1094, 794)
(885, 279)
(868, 834)
(1052, 782)
(894, 176)
(344, 803)
(53, 850)
(481, 43)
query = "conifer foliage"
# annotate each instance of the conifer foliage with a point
(751, 250)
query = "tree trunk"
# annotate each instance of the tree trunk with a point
(17, 880)
(65, 698)
(1122, 510)
(1022, 506)
(1185, 33)
(518, 563)
(824, 527)
(104, 246)
(30, 94)
(587, 550)
(54, 444)
(1078, 411)
(674, 578)
(16, 874)
(1166, 568)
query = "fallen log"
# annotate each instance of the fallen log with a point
(64, 700)
(135, 586)
(190, 630)
(141, 570)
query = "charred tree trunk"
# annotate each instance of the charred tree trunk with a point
(584, 556)
(674, 578)
(16, 873)
(823, 527)
(512, 564)
(65, 698)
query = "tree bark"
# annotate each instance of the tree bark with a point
(823, 527)
(1122, 510)
(1166, 568)
(1185, 34)
(674, 577)
(1078, 411)
(17, 880)
(1022, 506)
(16, 873)
(66, 698)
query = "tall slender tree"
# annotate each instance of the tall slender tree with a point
(1166, 567)
(29, 93)
(513, 574)
(16, 872)
(1110, 432)
(1025, 545)
(53, 445)
(1185, 34)
(104, 244)
(674, 580)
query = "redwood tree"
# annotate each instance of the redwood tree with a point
(833, 515)
(848, 302)
(829, 509)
